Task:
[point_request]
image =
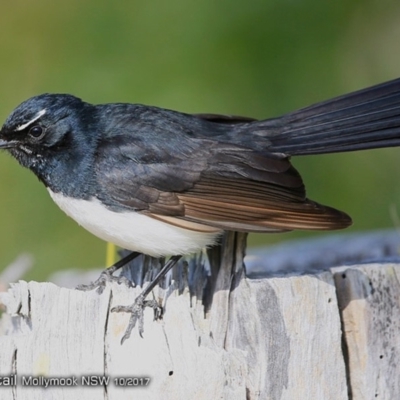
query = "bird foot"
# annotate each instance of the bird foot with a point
(107, 275)
(137, 310)
(104, 278)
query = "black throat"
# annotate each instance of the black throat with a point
(67, 166)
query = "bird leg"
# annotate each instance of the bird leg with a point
(137, 308)
(107, 275)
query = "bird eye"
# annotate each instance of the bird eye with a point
(36, 131)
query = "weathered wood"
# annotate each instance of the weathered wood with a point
(270, 338)
(369, 300)
(285, 327)
(309, 256)
(56, 332)
(7, 365)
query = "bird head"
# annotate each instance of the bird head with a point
(41, 126)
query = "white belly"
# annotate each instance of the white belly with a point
(131, 230)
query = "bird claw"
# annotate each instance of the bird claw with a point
(137, 314)
(100, 283)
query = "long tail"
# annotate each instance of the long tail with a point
(366, 119)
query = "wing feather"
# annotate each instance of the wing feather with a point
(201, 183)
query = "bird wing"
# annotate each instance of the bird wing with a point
(203, 184)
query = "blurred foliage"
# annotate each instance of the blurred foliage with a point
(255, 58)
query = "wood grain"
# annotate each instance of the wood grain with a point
(278, 337)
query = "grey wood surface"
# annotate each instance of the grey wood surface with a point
(273, 337)
(369, 300)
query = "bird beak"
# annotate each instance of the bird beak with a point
(6, 144)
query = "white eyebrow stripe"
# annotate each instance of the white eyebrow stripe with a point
(37, 116)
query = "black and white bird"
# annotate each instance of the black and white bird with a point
(161, 182)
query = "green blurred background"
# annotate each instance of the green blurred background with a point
(255, 58)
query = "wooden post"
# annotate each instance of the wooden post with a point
(276, 337)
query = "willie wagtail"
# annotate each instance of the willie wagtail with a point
(161, 182)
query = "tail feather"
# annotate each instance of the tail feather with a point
(366, 119)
